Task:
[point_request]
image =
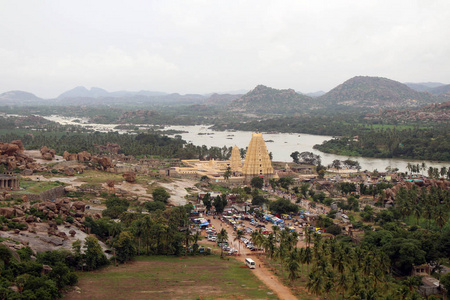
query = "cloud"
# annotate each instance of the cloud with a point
(204, 46)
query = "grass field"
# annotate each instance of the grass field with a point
(35, 187)
(165, 277)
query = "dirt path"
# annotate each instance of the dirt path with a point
(263, 274)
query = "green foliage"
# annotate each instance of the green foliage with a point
(445, 281)
(160, 194)
(115, 206)
(93, 255)
(283, 206)
(124, 245)
(257, 182)
(154, 205)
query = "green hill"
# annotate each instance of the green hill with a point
(376, 92)
(266, 100)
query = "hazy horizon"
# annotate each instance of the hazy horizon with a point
(201, 47)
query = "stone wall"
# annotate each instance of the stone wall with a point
(51, 194)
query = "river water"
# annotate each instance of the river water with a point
(282, 146)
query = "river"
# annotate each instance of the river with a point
(282, 146)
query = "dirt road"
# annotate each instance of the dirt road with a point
(266, 276)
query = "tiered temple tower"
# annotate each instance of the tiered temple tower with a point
(257, 160)
(236, 161)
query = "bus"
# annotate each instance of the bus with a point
(250, 263)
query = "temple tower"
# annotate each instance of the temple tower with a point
(257, 160)
(236, 161)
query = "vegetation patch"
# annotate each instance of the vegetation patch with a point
(163, 277)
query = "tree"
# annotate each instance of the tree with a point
(93, 255)
(222, 236)
(160, 194)
(115, 206)
(257, 182)
(207, 201)
(445, 281)
(283, 206)
(239, 235)
(154, 205)
(227, 173)
(124, 246)
(286, 181)
(295, 156)
(292, 264)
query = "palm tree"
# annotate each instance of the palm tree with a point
(138, 232)
(147, 224)
(342, 284)
(292, 264)
(315, 283)
(307, 258)
(239, 235)
(276, 231)
(423, 167)
(441, 216)
(222, 236)
(269, 244)
(308, 236)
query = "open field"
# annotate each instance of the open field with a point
(162, 277)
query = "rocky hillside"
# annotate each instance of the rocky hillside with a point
(18, 98)
(432, 113)
(268, 100)
(444, 89)
(376, 92)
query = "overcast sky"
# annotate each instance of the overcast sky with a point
(48, 47)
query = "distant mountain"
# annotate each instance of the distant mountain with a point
(315, 94)
(443, 89)
(18, 98)
(423, 86)
(221, 99)
(94, 92)
(376, 92)
(264, 99)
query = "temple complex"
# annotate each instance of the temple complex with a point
(257, 164)
(257, 160)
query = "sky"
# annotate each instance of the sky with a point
(187, 46)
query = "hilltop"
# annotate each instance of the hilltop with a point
(376, 92)
(18, 97)
(263, 99)
(443, 89)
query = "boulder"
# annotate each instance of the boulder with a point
(69, 171)
(84, 156)
(79, 205)
(129, 177)
(19, 145)
(6, 212)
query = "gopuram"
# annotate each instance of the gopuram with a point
(257, 160)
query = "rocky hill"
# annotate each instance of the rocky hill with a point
(18, 98)
(432, 113)
(376, 92)
(264, 100)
